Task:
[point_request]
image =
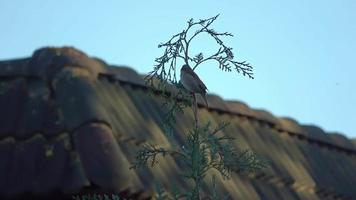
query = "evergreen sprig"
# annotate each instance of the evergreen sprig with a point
(174, 103)
(164, 75)
(165, 69)
(147, 156)
(203, 148)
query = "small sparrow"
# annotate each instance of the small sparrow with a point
(192, 82)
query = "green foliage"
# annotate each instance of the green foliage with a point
(147, 156)
(214, 194)
(204, 148)
(178, 48)
(160, 191)
(174, 103)
(164, 75)
(97, 197)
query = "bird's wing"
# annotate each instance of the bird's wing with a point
(201, 84)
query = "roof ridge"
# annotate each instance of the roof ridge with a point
(278, 127)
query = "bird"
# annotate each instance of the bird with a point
(191, 82)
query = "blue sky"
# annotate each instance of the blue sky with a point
(303, 52)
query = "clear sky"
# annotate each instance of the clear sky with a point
(303, 51)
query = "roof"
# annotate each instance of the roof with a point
(71, 122)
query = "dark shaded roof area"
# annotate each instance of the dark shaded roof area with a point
(71, 123)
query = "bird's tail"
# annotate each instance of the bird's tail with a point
(206, 101)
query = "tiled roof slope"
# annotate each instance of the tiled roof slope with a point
(70, 122)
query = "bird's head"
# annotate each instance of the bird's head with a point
(185, 68)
